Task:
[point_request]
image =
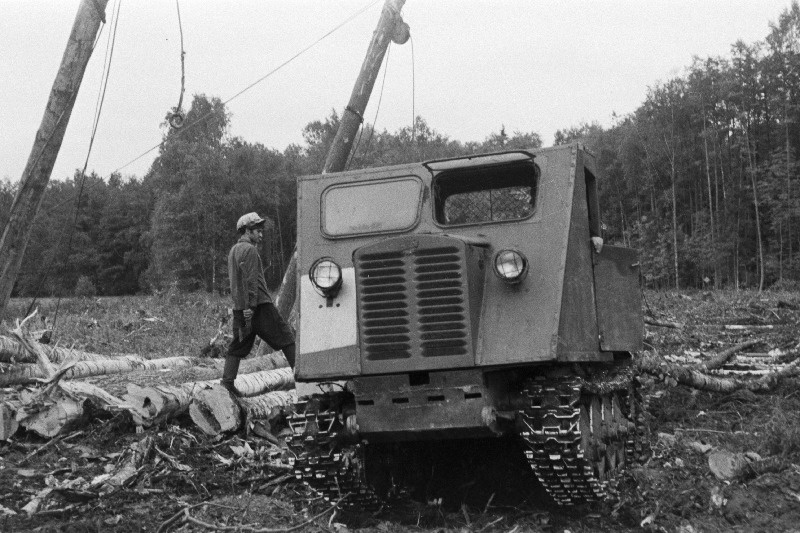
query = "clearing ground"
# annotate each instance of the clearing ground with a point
(239, 482)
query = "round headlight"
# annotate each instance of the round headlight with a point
(326, 276)
(510, 265)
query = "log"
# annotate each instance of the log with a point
(724, 356)
(268, 406)
(215, 411)
(727, 466)
(25, 374)
(59, 417)
(161, 402)
(63, 412)
(34, 348)
(8, 418)
(662, 323)
(691, 377)
(12, 351)
(206, 370)
(157, 404)
(746, 327)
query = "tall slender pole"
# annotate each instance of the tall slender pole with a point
(353, 114)
(91, 13)
(390, 27)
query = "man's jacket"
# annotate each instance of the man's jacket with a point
(248, 286)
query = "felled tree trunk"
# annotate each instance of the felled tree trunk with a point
(159, 403)
(51, 413)
(23, 374)
(724, 356)
(216, 411)
(63, 415)
(12, 351)
(692, 377)
(268, 406)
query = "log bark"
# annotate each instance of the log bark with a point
(59, 417)
(661, 323)
(268, 406)
(158, 403)
(36, 175)
(215, 411)
(8, 418)
(12, 351)
(34, 348)
(206, 370)
(691, 377)
(24, 374)
(724, 356)
(50, 414)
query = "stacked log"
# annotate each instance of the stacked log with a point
(12, 351)
(215, 411)
(163, 402)
(25, 374)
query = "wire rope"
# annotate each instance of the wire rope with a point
(413, 94)
(259, 80)
(177, 118)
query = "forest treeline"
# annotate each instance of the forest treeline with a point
(702, 179)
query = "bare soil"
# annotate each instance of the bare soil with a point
(234, 485)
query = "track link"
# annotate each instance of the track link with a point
(324, 462)
(580, 437)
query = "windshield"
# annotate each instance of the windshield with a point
(488, 194)
(371, 207)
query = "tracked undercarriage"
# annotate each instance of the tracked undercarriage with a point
(579, 433)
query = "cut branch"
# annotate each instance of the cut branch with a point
(691, 377)
(724, 356)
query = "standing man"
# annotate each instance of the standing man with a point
(253, 310)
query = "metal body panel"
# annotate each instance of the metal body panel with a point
(450, 404)
(332, 348)
(619, 299)
(577, 332)
(550, 315)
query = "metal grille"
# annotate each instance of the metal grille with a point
(489, 205)
(413, 303)
(384, 306)
(440, 301)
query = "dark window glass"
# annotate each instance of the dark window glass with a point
(490, 194)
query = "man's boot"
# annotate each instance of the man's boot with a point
(288, 352)
(229, 373)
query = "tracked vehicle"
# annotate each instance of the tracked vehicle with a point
(464, 299)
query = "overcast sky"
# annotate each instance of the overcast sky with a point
(478, 65)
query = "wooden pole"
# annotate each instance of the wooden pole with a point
(353, 114)
(387, 29)
(91, 13)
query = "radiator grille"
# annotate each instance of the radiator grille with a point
(413, 303)
(384, 306)
(441, 302)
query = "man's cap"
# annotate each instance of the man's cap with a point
(250, 220)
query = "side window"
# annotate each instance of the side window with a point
(489, 194)
(593, 204)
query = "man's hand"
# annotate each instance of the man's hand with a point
(597, 242)
(248, 314)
